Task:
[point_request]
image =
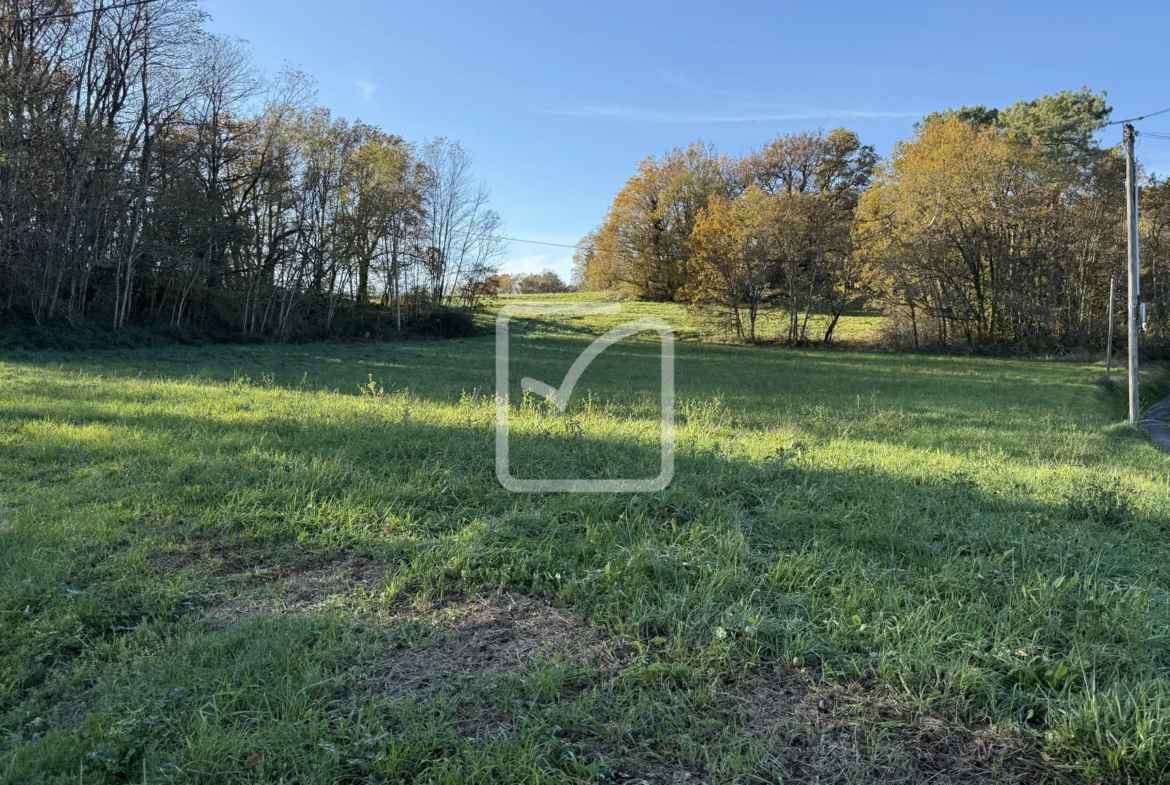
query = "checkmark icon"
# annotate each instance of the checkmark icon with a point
(559, 396)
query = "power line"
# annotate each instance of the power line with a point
(1135, 119)
(535, 242)
(489, 236)
(77, 14)
(512, 239)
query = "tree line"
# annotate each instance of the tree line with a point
(150, 174)
(986, 227)
(547, 281)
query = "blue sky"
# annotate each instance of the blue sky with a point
(558, 101)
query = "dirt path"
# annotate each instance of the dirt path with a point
(1156, 423)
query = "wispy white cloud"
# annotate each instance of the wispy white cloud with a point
(367, 88)
(762, 114)
(818, 111)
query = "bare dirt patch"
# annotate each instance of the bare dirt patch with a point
(212, 557)
(502, 633)
(833, 734)
(296, 587)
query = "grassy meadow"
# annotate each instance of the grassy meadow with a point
(295, 564)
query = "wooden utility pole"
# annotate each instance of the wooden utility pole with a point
(1109, 346)
(1131, 216)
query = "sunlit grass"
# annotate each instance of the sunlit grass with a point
(855, 328)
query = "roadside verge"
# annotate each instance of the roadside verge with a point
(1156, 422)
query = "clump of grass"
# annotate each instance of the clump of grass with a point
(1102, 502)
(1118, 733)
(1155, 384)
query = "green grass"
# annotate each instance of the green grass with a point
(915, 539)
(857, 327)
